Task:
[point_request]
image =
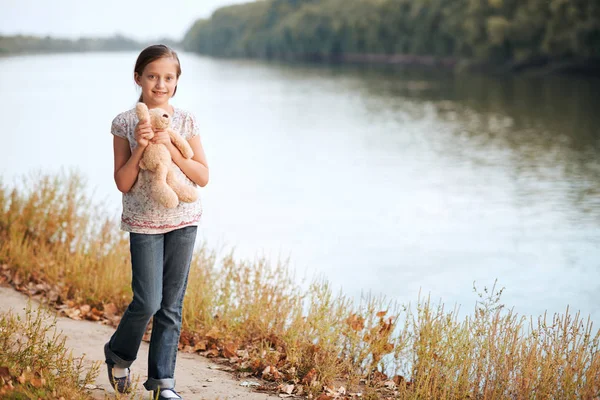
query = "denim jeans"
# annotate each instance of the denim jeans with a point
(160, 266)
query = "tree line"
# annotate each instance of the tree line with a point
(500, 32)
(35, 44)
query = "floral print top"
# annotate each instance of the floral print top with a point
(141, 213)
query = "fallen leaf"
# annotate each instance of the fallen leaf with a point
(310, 377)
(213, 333)
(287, 389)
(243, 354)
(211, 353)
(200, 346)
(271, 373)
(85, 309)
(73, 313)
(229, 350)
(378, 377)
(38, 382)
(390, 384)
(110, 309)
(398, 379)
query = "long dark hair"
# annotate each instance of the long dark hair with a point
(153, 53)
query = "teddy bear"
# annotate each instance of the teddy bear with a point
(166, 189)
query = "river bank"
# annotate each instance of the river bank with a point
(57, 245)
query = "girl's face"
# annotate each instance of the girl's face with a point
(158, 82)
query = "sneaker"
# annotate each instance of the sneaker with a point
(160, 394)
(121, 385)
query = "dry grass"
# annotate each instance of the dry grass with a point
(257, 316)
(35, 364)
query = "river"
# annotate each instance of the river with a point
(378, 179)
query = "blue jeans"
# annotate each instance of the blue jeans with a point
(160, 266)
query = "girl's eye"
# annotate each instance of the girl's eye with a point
(151, 76)
(169, 78)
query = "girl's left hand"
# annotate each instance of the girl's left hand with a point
(161, 137)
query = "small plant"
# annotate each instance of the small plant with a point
(34, 362)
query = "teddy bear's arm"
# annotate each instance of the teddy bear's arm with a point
(181, 144)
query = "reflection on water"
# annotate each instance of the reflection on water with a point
(383, 180)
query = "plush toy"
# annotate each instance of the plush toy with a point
(165, 188)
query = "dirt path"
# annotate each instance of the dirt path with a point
(197, 377)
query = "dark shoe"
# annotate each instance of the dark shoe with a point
(162, 393)
(121, 385)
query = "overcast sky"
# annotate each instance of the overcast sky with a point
(137, 19)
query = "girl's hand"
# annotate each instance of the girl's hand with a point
(161, 137)
(143, 133)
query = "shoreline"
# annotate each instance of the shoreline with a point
(536, 67)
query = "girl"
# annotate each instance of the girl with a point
(161, 239)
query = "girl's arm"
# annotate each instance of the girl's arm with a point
(127, 164)
(195, 168)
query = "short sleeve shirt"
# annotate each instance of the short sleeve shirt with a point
(141, 213)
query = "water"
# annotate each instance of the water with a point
(381, 181)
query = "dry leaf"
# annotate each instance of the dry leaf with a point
(212, 353)
(271, 373)
(200, 346)
(38, 382)
(213, 333)
(398, 379)
(356, 322)
(243, 354)
(85, 309)
(286, 389)
(229, 350)
(381, 313)
(4, 372)
(378, 377)
(97, 312)
(310, 377)
(110, 309)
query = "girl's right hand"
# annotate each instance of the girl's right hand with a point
(143, 133)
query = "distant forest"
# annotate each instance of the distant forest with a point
(510, 34)
(36, 44)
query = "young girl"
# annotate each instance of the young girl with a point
(161, 239)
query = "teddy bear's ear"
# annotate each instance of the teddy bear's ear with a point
(141, 110)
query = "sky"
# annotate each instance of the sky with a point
(138, 19)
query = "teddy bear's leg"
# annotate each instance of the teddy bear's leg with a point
(161, 191)
(186, 193)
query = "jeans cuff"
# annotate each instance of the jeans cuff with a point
(112, 358)
(153, 384)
